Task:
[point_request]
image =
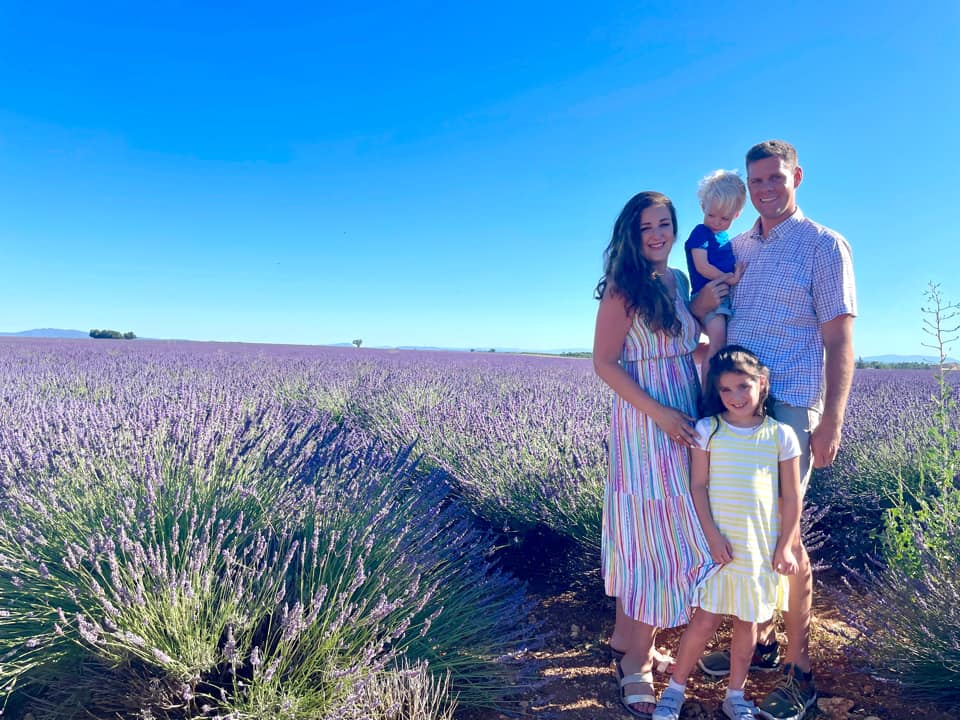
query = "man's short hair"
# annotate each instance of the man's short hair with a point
(773, 148)
(723, 188)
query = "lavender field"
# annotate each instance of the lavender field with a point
(211, 530)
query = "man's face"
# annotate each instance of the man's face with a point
(773, 188)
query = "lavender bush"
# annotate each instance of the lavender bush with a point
(909, 612)
(176, 543)
(524, 437)
(884, 437)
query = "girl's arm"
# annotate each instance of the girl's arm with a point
(720, 548)
(784, 559)
(613, 324)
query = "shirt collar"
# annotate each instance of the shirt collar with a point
(784, 228)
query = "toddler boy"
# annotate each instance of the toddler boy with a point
(709, 252)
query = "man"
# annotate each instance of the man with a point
(794, 308)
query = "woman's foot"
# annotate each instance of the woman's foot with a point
(637, 691)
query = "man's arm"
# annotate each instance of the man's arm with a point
(838, 372)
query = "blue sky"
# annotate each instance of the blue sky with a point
(446, 173)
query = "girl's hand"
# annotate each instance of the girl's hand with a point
(720, 548)
(676, 425)
(785, 562)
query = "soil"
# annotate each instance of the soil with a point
(577, 671)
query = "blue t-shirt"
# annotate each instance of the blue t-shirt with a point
(719, 253)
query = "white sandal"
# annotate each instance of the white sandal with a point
(629, 700)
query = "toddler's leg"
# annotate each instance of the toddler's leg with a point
(716, 329)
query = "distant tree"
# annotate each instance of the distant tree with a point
(112, 335)
(493, 349)
(358, 342)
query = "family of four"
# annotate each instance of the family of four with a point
(701, 517)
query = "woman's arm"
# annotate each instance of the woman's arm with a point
(720, 548)
(613, 324)
(784, 559)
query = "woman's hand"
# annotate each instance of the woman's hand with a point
(720, 548)
(676, 425)
(784, 561)
(709, 297)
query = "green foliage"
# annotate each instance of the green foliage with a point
(112, 335)
(357, 343)
(909, 616)
(921, 519)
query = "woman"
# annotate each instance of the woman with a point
(654, 551)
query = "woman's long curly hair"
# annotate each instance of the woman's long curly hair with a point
(628, 273)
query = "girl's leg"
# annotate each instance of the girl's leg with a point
(741, 651)
(694, 640)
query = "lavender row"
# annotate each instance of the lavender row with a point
(524, 438)
(205, 548)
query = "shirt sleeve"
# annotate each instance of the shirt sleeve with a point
(789, 444)
(834, 290)
(699, 239)
(704, 429)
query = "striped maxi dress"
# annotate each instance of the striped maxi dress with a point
(654, 554)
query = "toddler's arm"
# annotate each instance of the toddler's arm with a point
(720, 548)
(711, 272)
(784, 559)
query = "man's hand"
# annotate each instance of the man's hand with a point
(824, 442)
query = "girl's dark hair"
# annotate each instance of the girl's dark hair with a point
(735, 359)
(628, 273)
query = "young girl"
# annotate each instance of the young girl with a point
(743, 460)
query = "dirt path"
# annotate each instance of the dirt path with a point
(578, 672)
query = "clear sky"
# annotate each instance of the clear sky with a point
(448, 174)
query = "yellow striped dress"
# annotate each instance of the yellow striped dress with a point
(744, 492)
(654, 553)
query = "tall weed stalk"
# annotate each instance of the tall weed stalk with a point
(908, 611)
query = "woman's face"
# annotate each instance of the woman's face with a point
(657, 236)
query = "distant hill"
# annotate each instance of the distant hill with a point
(890, 359)
(48, 333)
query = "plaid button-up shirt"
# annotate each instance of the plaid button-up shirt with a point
(798, 277)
